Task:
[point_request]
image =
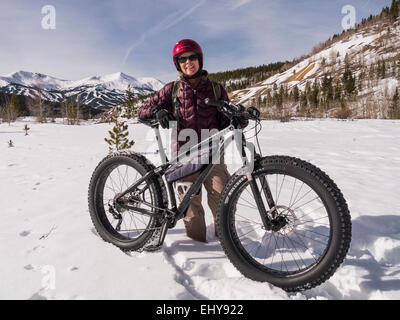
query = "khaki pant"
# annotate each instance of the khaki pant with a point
(194, 220)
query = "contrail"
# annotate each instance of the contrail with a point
(239, 4)
(165, 24)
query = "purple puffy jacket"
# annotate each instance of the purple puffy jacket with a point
(193, 112)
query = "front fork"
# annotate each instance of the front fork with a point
(248, 168)
(265, 217)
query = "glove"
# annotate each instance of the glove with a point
(163, 116)
(254, 112)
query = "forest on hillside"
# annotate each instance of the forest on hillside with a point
(348, 85)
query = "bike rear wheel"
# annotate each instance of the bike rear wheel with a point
(126, 228)
(314, 230)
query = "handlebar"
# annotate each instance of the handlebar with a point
(228, 108)
(149, 122)
(236, 110)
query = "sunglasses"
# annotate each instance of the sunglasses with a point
(193, 57)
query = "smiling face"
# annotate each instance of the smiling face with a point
(189, 67)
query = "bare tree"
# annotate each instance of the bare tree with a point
(36, 106)
(78, 112)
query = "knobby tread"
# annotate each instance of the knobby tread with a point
(158, 183)
(330, 187)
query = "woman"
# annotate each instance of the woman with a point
(191, 112)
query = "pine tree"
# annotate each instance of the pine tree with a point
(338, 91)
(327, 89)
(26, 128)
(130, 110)
(382, 69)
(119, 134)
(394, 110)
(314, 94)
(15, 105)
(349, 82)
(296, 94)
(394, 10)
(259, 102)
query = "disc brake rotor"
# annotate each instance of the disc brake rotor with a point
(285, 220)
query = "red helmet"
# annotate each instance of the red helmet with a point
(186, 45)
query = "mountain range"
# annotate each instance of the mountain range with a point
(100, 92)
(355, 73)
(358, 70)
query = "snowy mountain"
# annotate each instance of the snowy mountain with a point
(100, 92)
(371, 56)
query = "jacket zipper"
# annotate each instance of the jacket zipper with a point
(195, 109)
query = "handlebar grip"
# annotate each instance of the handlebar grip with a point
(215, 103)
(254, 112)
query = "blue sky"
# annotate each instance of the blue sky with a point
(98, 37)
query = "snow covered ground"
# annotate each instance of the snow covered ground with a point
(50, 250)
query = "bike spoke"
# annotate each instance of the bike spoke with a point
(132, 224)
(294, 247)
(280, 190)
(251, 221)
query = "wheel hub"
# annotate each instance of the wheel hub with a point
(131, 199)
(283, 221)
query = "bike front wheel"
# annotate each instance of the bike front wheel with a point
(314, 224)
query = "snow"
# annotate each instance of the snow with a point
(364, 44)
(29, 79)
(50, 250)
(118, 81)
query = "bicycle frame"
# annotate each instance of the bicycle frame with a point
(224, 137)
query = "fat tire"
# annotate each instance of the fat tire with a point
(96, 206)
(337, 210)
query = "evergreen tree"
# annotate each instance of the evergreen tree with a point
(303, 103)
(26, 128)
(394, 10)
(15, 105)
(349, 82)
(296, 94)
(314, 94)
(130, 109)
(119, 134)
(337, 91)
(259, 102)
(327, 89)
(269, 99)
(394, 110)
(382, 69)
